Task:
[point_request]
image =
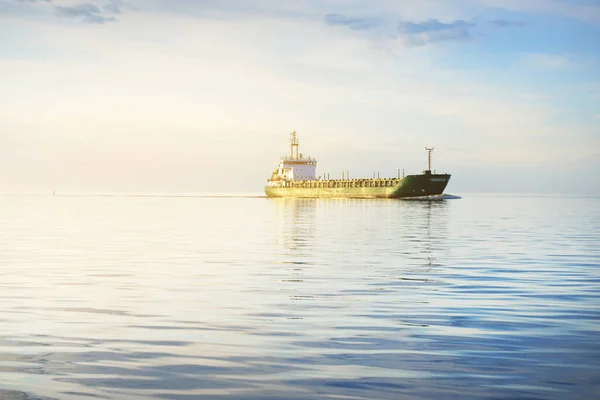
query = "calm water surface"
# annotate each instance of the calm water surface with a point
(252, 298)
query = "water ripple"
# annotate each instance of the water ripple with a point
(254, 298)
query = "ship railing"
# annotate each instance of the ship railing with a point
(344, 183)
(299, 158)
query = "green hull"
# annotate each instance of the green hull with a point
(426, 184)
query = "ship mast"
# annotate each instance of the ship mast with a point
(293, 144)
(429, 150)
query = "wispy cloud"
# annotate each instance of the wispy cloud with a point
(504, 23)
(546, 61)
(433, 25)
(356, 24)
(90, 13)
(432, 30)
(113, 7)
(410, 32)
(584, 10)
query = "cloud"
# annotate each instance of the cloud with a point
(432, 30)
(409, 32)
(503, 23)
(355, 24)
(88, 12)
(584, 10)
(113, 7)
(433, 25)
(546, 61)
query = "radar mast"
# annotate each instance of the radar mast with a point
(293, 145)
(429, 150)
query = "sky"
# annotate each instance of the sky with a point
(196, 96)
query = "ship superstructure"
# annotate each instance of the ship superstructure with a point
(294, 166)
(296, 177)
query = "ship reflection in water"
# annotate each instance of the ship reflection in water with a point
(254, 298)
(303, 237)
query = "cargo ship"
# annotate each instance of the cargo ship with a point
(296, 176)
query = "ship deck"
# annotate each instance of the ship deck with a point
(410, 186)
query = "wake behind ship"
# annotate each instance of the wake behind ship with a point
(296, 177)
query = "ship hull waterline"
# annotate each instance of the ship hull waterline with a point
(407, 187)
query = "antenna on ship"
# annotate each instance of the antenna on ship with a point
(429, 150)
(293, 143)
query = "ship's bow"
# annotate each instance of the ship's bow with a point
(427, 184)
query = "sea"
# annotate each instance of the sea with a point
(185, 297)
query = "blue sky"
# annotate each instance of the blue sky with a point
(195, 96)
